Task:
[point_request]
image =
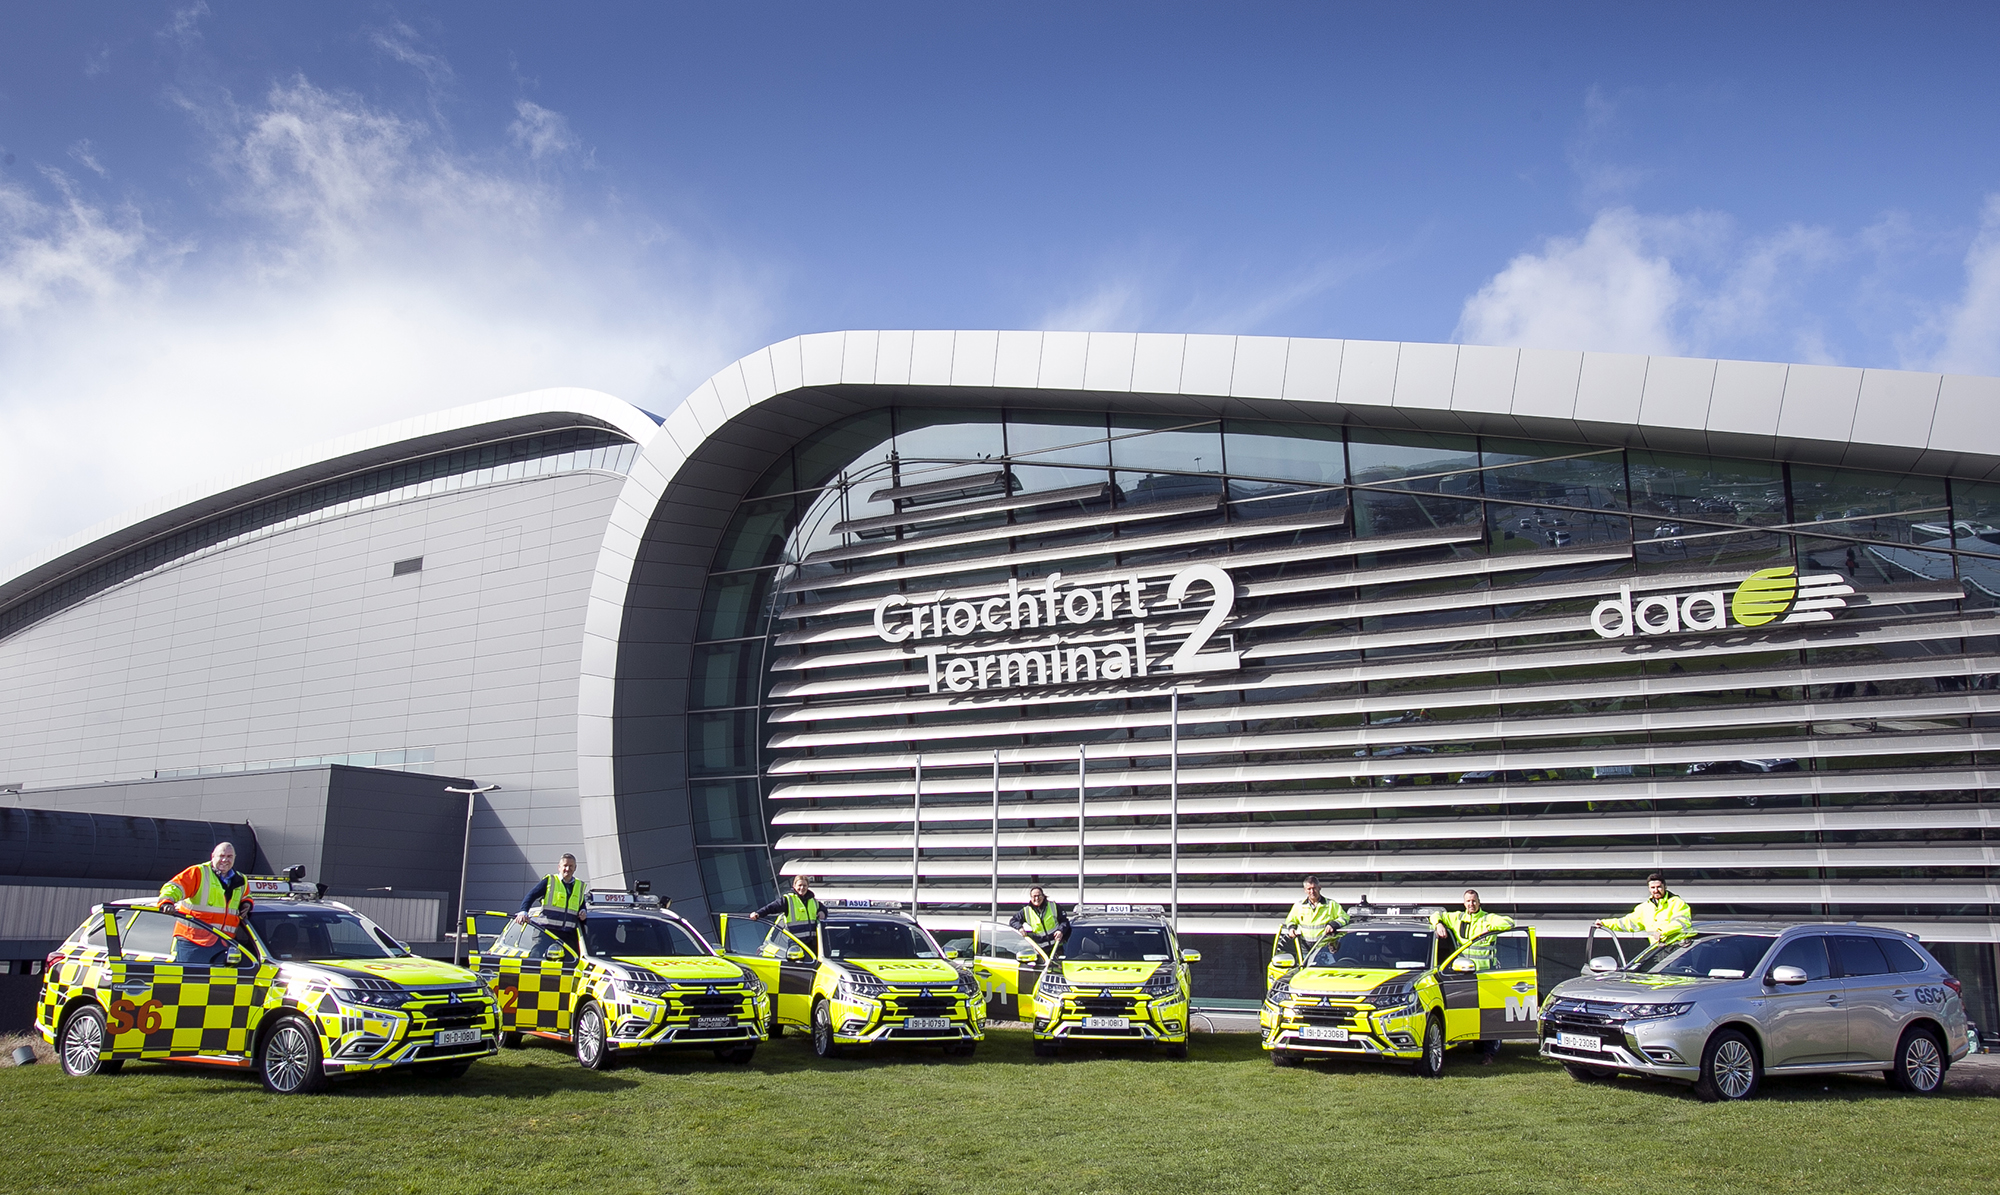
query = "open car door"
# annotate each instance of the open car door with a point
(785, 963)
(1005, 963)
(1491, 988)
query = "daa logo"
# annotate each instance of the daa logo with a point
(1766, 596)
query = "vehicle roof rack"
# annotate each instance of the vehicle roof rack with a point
(1365, 911)
(616, 898)
(856, 902)
(1117, 910)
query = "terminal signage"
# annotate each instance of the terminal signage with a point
(1766, 596)
(1055, 632)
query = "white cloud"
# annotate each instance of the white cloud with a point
(1971, 328)
(1672, 285)
(1609, 289)
(366, 273)
(539, 131)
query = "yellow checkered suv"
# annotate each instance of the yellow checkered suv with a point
(309, 991)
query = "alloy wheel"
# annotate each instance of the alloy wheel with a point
(83, 1044)
(287, 1057)
(1923, 1065)
(589, 1036)
(1735, 1069)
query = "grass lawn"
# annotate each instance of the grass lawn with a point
(909, 1121)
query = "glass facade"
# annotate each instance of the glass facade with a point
(1443, 661)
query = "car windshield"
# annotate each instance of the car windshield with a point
(1711, 956)
(876, 940)
(1383, 949)
(318, 934)
(1118, 944)
(622, 934)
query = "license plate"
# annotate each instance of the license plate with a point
(1580, 1041)
(1107, 1022)
(1323, 1033)
(714, 1022)
(927, 1023)
(458, 1037)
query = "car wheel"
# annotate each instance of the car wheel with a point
(510, 1041)
(1920, 1064)
(1285, 1058)
(737, 1054)
(822, 1029)
(772, 1029)
(1177, 1049)
(592, 1038)
(289, 1060)
(1729, 1068)
(1430, 1063)
(82, 1043)
(1589, 1074)
(1045, 1049)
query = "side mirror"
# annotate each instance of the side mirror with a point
(796, 954)
(1788, 976)
(234, 958)
(1283, 964)
(1190, 956)
(1602, 963)
(1027, 956)
(951, 954)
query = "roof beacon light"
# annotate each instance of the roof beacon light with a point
(1136, 910)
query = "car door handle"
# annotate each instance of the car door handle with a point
(1900, 994)
(130, 989)
(1524, 986)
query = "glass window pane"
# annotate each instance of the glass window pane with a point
(756, 534)
(1057, 438)
(1285, 451)
(725, 674)
(926, 436)
(851, 445)
(722, 744)
(727, 811)
(736, 879)
(734, 605)
(1164, 443)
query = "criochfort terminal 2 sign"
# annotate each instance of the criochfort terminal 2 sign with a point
(1053, 632)
(1766, 596)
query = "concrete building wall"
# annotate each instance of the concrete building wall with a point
(302, 643)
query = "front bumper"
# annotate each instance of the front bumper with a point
(690, 1018)
(357, 1038)
(897, 1014)
(1147, 1018)
(1342, 1028)
(1664, 1047)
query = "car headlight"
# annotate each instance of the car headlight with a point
(1163, 982)
(632, 986)
(1053, 985)
(1395, 1001)
(865, 987)
(1648, 1012)
(754, 985)
(967, 986)
(369, 996)
(1280, 992)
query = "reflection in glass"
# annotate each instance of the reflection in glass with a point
(1285, 451)
(1162, 443)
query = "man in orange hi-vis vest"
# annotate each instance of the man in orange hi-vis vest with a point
(213, 894)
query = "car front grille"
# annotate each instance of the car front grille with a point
(717, 1005)
(1105, 1006)
(925, 1006)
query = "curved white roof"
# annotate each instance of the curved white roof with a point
(288, 470)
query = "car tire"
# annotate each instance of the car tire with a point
(1177, 1049)
(1920, 1063)
(737, 1055)
(289, 1060)
(1589, 1074)
(772, 1029)
(1285, 1058)
(1730, 1068)
(1045, 1049)
(510, 1041)
(822, 1030)
(592, 1038)
(1430, 1063)
(82, 1042)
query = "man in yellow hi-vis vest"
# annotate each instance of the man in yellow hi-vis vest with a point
(1662, 916)
(561, 897)
(799, 907)
(1465, 929)
(1041, 920)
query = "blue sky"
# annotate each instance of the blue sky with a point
(229, 228)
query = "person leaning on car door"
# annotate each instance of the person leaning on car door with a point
(213, 894)
(1662, 916)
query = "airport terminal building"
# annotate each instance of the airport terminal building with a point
(1144, 618)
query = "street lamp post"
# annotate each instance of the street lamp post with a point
(464, 860)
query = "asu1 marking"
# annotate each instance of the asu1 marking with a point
(1765, 596)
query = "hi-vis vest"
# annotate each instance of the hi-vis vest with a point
(1312, 917)
(1041, 922)
(1480, 955)
(561, 902)
(1661, 920)
(798, 908)
(206, 903)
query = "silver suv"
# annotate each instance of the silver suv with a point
(1738, 1000)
